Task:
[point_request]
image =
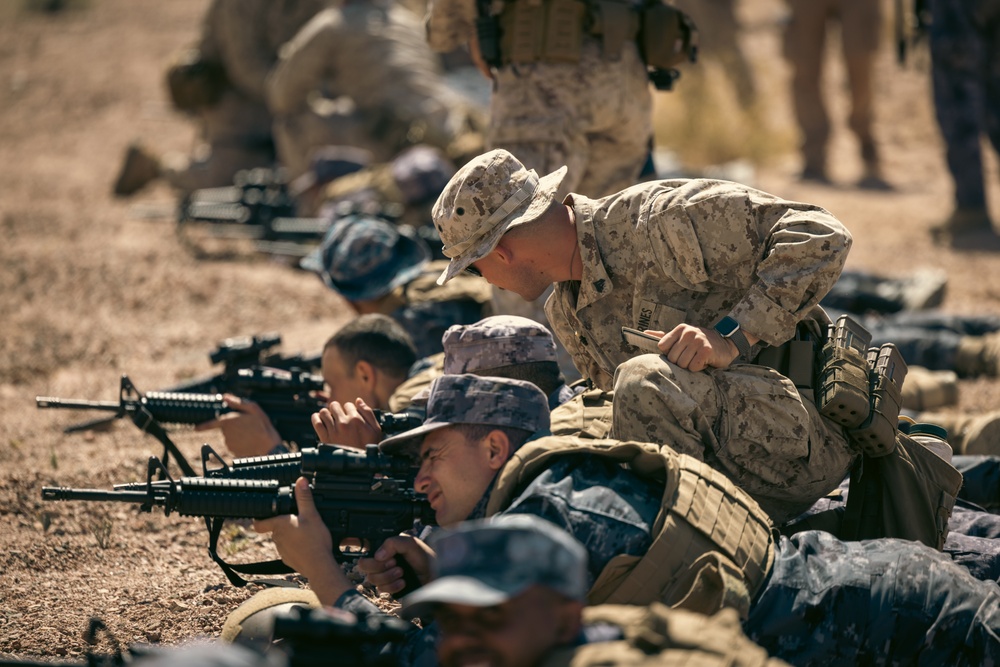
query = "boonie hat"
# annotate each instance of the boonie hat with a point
(487, 562)
(486, 197)
(365, 258)
(471, 399)
(493, 342)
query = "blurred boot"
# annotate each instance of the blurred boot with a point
(970, 434)
(978, 355)
(138, 169)
(814, 174)
(963, 227)
(871, 179)
(924, 389)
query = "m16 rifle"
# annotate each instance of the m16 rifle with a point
(237, 353)
(285, 396)
(367, 496)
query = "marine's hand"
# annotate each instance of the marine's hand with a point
(348, 424)
(247, 430)
(384, 570)
(305, 545)
(696, 348)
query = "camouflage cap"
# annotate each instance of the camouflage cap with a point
(364, 258)
(501, 340)
(487, 562)
(488, 196)
(421, 172)
(471, 399)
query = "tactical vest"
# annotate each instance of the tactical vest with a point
(657, 635)
(712, 544)
(586, 415)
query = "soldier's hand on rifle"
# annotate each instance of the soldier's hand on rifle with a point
(247, 430)
(304, 544)
(347, 424)
(384, 571)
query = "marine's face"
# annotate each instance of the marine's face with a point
(517, 633)
(520, 276)
(454, 474)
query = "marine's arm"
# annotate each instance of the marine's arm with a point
(245, 55)
(304, 62)
(782, 256)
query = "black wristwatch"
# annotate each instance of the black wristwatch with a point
(730, 328)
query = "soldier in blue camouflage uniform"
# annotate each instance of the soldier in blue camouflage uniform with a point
(823, 602)
(965, 50)
(379, 268)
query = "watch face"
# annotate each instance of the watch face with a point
(727, 326)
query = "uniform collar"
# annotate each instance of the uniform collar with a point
(595, 283)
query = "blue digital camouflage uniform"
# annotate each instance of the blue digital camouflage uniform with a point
(965, 52)
(876, 602)
(608, 509)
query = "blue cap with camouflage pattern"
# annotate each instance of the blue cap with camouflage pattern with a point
(365, 258)
(471, 399)
(488, 196)
(487, 562)
(495, 342)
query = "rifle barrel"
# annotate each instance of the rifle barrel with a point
(69, 404)
(66, 493)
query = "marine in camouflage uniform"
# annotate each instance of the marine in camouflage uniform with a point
(362, 75)
(965, 50)
(379, 268)
(656, 256)
(244, 38)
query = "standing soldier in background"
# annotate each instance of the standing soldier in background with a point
(221, 84)
(804, 47)
(362, 75)
(570, 87)
(965, 52)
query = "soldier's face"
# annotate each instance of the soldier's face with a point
(517, 633)
(519, 276)
(453, 474)
(343, 383)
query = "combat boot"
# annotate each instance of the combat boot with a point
(963, 227)
(138, 169)
(871, 179)
(978, 355)
(970, 434)
(924, 389)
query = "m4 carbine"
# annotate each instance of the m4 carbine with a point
(235, 354)
(367, 496)
(285, 396)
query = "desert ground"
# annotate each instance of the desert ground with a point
(92, 287)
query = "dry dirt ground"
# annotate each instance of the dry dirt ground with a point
(89, 290)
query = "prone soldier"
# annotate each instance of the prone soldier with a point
(638, 510)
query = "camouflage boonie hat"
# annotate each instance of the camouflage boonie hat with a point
(487, 562)
(471, 399)
(421, 172)
(488, 196)
(365, 258)
(501, 340)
